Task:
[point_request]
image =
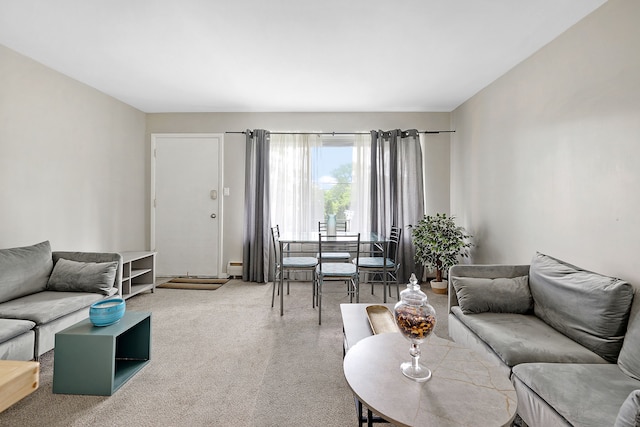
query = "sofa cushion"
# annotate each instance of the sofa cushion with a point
(629, 414)
(74, 276)
(521, 338)
(11, 328)
(584, 394)
(24, 270)
(47, 306)
(500, 295)
(588, 307)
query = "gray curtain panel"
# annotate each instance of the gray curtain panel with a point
(257, 221)
(397, 191)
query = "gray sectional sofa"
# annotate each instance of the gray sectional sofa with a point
(43, 292)
(568, 338)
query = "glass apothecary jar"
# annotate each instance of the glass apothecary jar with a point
(416, 319)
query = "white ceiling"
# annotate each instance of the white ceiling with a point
(286, 55)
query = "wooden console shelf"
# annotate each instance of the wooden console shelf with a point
(138, 272)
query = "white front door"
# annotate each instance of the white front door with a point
(185, 205)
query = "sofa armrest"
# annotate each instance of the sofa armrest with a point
(485, 271)
(629, 415)
(94, 257)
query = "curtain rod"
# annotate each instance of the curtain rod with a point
(342, 133)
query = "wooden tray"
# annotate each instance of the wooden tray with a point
(381, 319)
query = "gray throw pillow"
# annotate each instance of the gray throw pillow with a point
(73, 276)
(500, 295)
(588, 307)
(629, 414)
(24, 270)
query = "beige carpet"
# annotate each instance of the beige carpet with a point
(193, 283)
(223, 358)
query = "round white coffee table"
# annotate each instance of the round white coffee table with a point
(464, 390)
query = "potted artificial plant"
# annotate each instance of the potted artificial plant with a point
(439, 242)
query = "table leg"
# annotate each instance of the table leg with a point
(370, 419)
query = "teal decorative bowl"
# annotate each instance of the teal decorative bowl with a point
(107, 312)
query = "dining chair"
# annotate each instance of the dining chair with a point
(330, 253)
(287, 264)
(328, 271)
(377, 266)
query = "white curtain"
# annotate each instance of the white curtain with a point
(294, 206)
(361, 188)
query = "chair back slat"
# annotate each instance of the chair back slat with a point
(341, 226)
(394, 243)
(275, 238)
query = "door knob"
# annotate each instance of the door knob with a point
(213, 215)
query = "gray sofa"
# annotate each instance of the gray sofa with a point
(43, 292)
(568, 338)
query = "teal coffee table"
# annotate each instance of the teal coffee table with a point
(99, 360)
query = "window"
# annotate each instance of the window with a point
(332, 176)
(312, 176)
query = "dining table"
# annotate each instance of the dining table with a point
(305, 242)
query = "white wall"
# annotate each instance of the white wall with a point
(72, 162)
(75, 163)
(546, 157)
(437, 161)
(436, 150)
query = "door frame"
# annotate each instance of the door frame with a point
(152, 211)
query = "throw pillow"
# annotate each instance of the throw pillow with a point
(500, 295)
(73, 276)
(24, 270)
(588, 307)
